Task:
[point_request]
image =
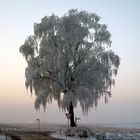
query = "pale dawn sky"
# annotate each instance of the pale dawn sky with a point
(16, 23)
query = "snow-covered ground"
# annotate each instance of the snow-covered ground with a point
(107, 136)
(75, 134)
(60, 136)
(83, 133)
(89, 132)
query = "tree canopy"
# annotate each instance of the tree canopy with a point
(70, 60)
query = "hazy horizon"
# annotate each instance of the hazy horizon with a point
(17, 19)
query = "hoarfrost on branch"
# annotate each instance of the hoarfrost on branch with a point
(70, 55)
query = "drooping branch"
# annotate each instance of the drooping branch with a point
(71, 55)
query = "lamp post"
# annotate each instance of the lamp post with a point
(38, 120)
(68, 115)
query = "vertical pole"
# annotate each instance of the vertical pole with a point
(68, 125)
(76, 121)
(68, 129)
(6, 136)
(39, 125)
(38, 120)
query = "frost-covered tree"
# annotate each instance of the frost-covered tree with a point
(70, 60)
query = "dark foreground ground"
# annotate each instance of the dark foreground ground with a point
(28, 135)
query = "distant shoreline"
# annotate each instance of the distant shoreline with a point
(117, 125)
(54, 127)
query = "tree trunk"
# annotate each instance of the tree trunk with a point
(72, 122)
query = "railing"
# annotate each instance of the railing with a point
(9, 135)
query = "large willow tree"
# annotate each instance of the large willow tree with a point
(70, 60)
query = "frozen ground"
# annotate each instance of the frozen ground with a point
(87, 134)
(83, 132)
